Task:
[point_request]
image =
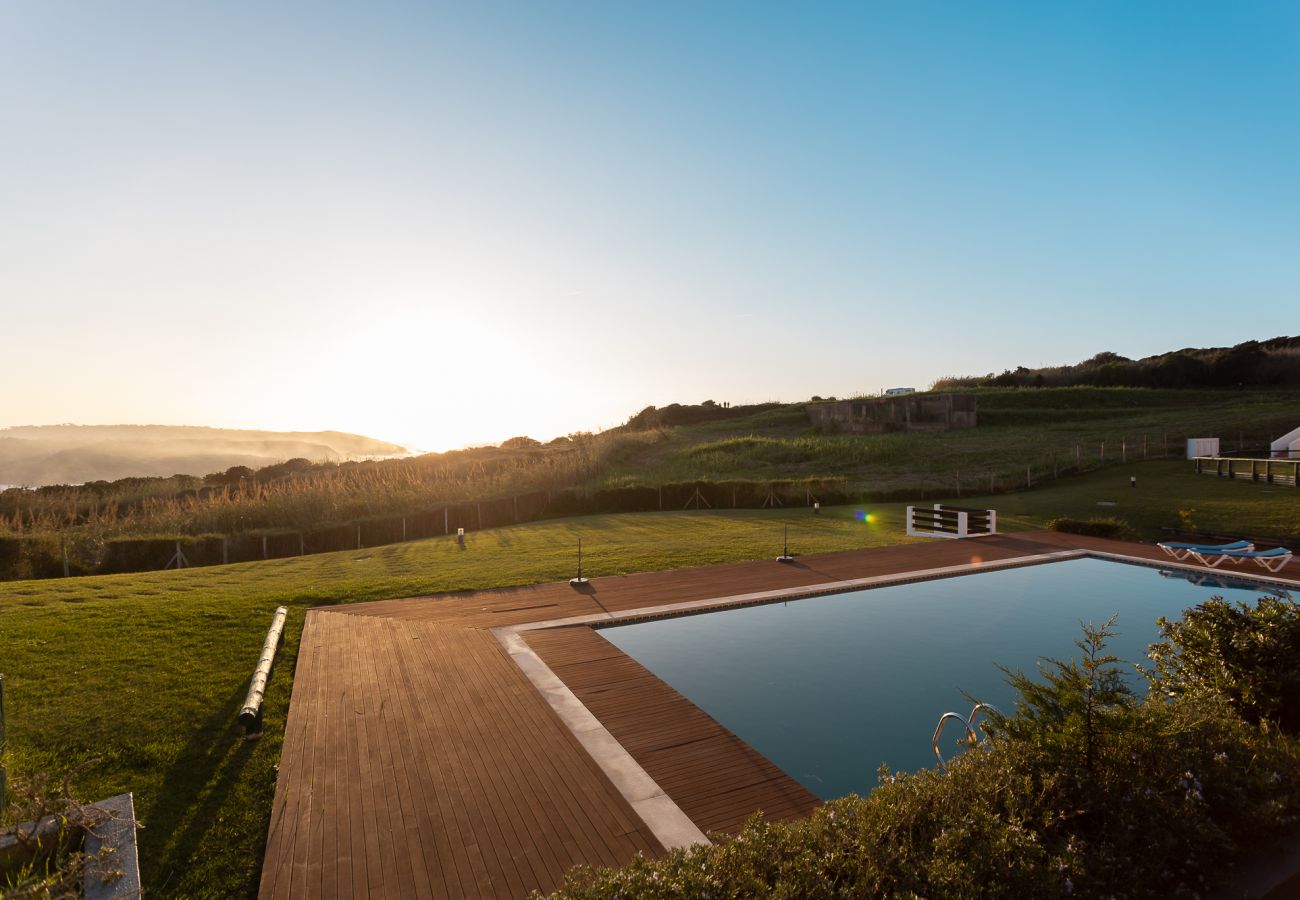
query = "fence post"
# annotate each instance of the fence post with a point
(1029, 478)
(1102, 455)
(404, 518)
(265, 555)
(358, 537)
(63, 545)
(302, 545)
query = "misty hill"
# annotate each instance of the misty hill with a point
(72, 454)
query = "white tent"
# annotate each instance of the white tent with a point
(1288, 445)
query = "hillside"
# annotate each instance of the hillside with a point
(74, 454)
(1023, 434)
(1271, 363)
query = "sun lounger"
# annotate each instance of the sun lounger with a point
(1183, 551)
(1273, 560)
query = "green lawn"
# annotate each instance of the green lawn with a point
(145, 673)
(1218, 505)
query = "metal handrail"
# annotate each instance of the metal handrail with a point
(968, 722)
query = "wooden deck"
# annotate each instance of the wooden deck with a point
(419, 760)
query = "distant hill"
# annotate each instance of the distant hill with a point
(1271, 363)
(74, 454)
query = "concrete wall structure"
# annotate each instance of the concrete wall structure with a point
(911, 412)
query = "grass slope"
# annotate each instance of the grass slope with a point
(1038, 429)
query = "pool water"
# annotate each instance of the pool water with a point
(829, 687)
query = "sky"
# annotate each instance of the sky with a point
(444, 225)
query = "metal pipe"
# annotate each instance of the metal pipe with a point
(251, 715)
(2, 745)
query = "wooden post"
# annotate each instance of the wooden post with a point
(1103, 451)
(63, 545)
(1029, 479)
(358, 537)
(265, 555)
(302, 545)
(404, 519)
(445, 529)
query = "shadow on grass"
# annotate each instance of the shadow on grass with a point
(193, 790)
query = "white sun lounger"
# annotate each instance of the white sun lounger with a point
(1273, 560)
(1183, 551)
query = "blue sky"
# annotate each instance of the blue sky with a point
(444, 225)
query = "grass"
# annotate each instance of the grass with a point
(146, 672)
(1042, 430)
(1164, 488)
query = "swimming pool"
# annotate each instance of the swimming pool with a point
(829, 687)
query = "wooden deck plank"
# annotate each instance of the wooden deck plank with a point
(419, 760)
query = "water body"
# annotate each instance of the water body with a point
(830, 687)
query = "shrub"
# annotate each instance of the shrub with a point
(1249, 655)
(1099, 526)
(1086, 791)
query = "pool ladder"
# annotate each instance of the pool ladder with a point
(968, 722)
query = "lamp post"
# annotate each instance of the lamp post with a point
(785, 556)
(579, 579)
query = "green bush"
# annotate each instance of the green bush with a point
(1098, 526)
(1086, 791)
(1250, 655)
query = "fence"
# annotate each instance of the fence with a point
(1271, 471)
(50, 556)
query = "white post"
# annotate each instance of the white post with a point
(911, 527)
(962, 524)
(993, 521)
